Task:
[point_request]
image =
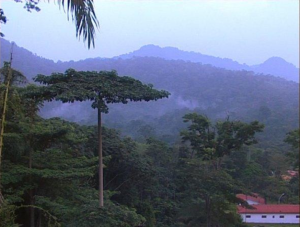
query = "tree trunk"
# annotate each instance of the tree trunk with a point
(100, 159)
(30, 161)
(207, 206)
(31, 200)
(39, 221)
(31, 209)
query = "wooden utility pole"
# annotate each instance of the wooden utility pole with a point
(9, 77)
(101, 203)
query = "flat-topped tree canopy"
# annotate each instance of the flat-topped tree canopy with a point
(102, 88)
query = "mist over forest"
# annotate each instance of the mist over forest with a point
(218, 88)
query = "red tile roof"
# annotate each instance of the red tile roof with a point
(292, 173)
(254, 198)
(270, 208)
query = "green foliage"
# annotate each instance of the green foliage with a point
(149, 184)
(292, 138)
(62, 177)
(146, 183)
(8, 216)
(81, 209)
(17, 77)
(208, 197)
(84, 16)
(213, 189)
(101, 87)
(2, 20)
(214, 142)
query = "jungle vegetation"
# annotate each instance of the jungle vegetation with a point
(50, 166)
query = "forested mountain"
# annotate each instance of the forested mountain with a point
(275, 65)
(27, 62)
(172, 53)
(216, 92)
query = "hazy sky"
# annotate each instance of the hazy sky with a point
(248, 31)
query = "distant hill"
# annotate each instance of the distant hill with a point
(25, 61)
(172, 53)
(213, 91)
(275, 66)
(278, 67)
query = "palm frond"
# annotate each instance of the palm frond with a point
(84, 16)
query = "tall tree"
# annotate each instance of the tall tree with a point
(31, 108)
(292, 138)
(209, 144)
(213, 142)
(8, 78)
(101, 88)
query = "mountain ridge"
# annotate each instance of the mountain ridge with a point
(275, 66)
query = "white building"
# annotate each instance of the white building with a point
(270, 213)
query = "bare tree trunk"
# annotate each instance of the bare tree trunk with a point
(100, 159)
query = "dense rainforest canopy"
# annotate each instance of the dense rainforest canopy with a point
(49, 170)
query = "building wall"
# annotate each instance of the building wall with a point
(271, 218)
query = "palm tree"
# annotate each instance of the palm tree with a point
(81, 12)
